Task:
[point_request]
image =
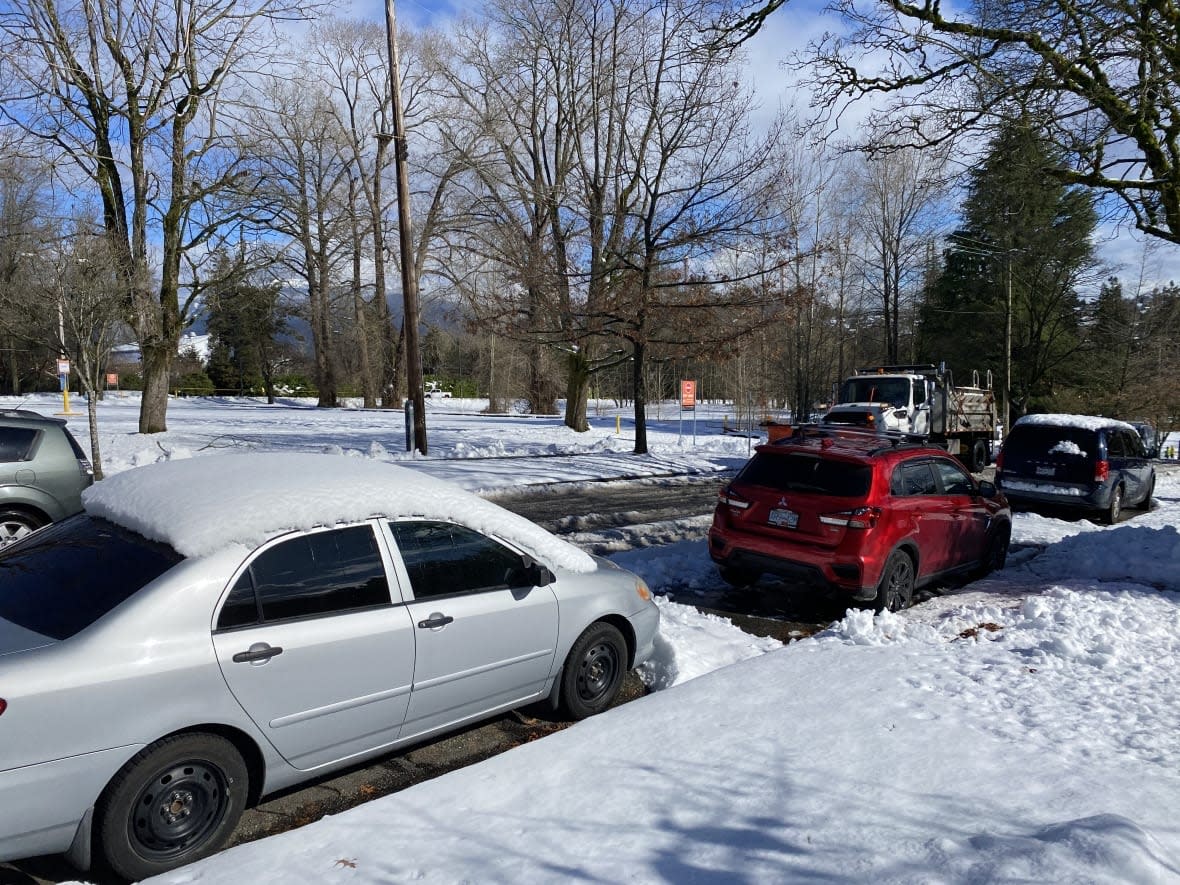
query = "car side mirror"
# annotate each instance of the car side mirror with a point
(987, 489)
(902, 413)
(528, 574)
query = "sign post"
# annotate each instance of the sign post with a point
(688, 403)
(63, 377)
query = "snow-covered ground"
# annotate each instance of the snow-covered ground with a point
(1023, 729)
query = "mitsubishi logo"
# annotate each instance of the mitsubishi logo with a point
(782, 502)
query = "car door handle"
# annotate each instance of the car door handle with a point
(259, 651)
(435, 620)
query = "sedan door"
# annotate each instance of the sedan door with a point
(482, 644)
(313, 648)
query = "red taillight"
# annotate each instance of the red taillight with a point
(860, 518)
(1101, 470)
(999, 460)
(3, 706)
(732, 498)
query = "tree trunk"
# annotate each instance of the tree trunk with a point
(639, 389)
(95, 451)
(157, 367)
(576, 392)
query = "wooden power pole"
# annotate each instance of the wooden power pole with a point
(409, 275)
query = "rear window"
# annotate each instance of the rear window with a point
(808, 473)
(15, 443)
(1046, 441)
(66, 576)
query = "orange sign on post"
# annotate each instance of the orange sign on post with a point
(688, 395)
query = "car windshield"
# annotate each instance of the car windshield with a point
(63, 578)
(808, 473)
(895, 391)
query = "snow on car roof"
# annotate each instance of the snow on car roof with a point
(1083, 422)
(201, 505)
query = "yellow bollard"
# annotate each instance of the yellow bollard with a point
(618, 424)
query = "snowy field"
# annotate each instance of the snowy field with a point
(1025, 728)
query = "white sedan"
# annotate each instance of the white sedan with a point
(212, 630)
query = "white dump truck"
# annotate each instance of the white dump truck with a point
(922, 400)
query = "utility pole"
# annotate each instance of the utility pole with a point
(1008, 347)
(409, 276)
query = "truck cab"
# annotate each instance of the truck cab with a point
(898, 401)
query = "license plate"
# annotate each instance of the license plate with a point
(784, 518)
(1046, 471)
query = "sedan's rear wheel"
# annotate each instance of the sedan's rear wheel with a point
(896, 590)
(176, 801)
(16, 524)
(593, 671)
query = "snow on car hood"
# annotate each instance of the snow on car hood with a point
(201, 505)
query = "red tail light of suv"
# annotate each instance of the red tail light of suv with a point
(870, 516)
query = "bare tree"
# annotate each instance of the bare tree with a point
(898, 194)
(300, 160)
(1101, 79)
(129, 92)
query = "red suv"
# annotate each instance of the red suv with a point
(869, 515)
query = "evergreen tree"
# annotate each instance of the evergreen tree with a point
(1023, 249)
(244, 322)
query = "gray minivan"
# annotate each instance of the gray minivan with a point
(1077, 462)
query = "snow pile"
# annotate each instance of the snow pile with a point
(201, 505)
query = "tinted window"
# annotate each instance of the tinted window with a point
(15, 443)
(443, 558)
(1045, 441)
(65, 577)
(913, 478)
(1116, 444)
(316, 574)
(808, 473)
(955, 480)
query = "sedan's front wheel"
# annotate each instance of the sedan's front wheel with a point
(176, 801)
(593, 671)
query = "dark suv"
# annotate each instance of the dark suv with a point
(1077, 462)
(868, 515)
(43, 471)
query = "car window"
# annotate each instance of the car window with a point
(443, 559)
(60, 580)
(1116, 444)
(16, 443)
(1050, 442)
(322, 573)
(913, 478)
(955, 480)
(808, 473)
(1134, 444)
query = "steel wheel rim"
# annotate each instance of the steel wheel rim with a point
(1116, 505)
(596, 674)
(178, 809)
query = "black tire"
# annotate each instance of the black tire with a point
(174, 802)
(593, 671)
(738, 577)
(15, 524)
(1116, 506)
(978, 456)
(896, 589)
(995, 557)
